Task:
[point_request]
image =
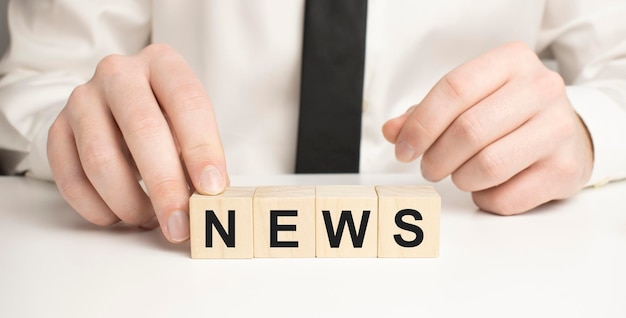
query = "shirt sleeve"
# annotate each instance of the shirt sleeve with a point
(55, 46)
(587, 39)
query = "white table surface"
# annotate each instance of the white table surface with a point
(565, 259)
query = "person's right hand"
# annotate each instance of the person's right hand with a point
(145, 116)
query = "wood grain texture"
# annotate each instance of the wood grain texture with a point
(284, 221)
(404, 212)
(236, 201)
(346, 221)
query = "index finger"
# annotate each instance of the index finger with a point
(455, 93)
(183, 98)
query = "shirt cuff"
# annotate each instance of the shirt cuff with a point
(606, 122)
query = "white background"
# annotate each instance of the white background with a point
(565, 259)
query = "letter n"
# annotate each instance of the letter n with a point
(212, 221)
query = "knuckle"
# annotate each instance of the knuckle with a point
(80, 94)
(430, 170)
(565, 129)
(490, 164)
(166, 187)
(527, 57)
(160, 54)
(549, 83)
(468, 129)
(98, 159)
(456, 84)
(72, 190)
(113, 65)
(521, 50)
(203, 152)
(146, 128)
(159, 49)
(414, 130)
(56, 130)
(567, 169)
(168, 194)
(188, 98)
(554, 79)
(519, 47)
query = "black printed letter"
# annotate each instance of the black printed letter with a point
(275, 227)
(346, 217)
(419, 234)
(228, 238)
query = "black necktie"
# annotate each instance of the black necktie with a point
(333, 56)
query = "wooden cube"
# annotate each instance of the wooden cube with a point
(284, 221)
(221, 225)
(408, 221)
(346, 220)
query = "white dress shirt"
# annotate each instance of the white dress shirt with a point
(247, 54)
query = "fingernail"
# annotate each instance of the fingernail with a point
(152, 224)
(178, 226)
(212, 181)
(404, 151)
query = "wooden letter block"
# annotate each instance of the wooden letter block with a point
(408, 221)
(284, 221)
(221, 225)
(346, 219)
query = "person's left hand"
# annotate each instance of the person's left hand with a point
(502, 126)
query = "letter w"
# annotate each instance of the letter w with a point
(334, 238)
